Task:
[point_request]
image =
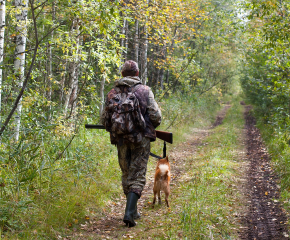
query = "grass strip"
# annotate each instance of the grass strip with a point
(207, 201)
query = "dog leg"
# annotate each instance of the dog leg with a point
(166, 198)
(159, 197)
(167, 191)
(154, 199)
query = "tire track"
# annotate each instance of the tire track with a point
(266, 219)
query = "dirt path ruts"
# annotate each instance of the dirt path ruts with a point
(266, 219)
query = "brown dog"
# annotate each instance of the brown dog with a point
(162, 180)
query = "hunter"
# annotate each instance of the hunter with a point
(131, 115)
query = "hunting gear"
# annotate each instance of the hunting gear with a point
(165, 136)
(131, 115)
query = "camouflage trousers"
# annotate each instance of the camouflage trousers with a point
(133, 159)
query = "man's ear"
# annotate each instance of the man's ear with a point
(137, 73)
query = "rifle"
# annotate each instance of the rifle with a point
(165, 136)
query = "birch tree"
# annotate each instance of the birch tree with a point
(73, 69)
(2, 30)
(102, 95)
(123, 41)
(136, 41)
(19, 63)
(144, 52)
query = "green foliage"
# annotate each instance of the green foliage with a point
(266, 64)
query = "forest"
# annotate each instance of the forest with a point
(59, 59)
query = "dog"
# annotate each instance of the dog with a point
(162, 180)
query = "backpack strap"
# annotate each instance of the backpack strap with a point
(117, 89)
(136, 87)
(130, 89)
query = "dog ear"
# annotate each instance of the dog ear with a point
(167, 158)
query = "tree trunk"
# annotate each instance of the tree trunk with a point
(2, 30)
(123, 42)
(157, 77)
(49, 93)
(161, 78)
(163, 57)
(136, 41)
(21, 29)
(126, 40)
(62, 82)
(144, 66)
(71, 96)
(102, 95)
(167, 77)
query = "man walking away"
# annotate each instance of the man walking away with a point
(131, 115)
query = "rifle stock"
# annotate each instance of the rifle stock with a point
(165, 136)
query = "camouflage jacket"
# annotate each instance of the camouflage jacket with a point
(149, 108)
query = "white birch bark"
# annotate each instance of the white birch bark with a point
(2, 30)
(102, 95)
(62, 82)
(144, 53)
(126, 40)
(49, 94)
(136, 41)
(19, 63)
(73, 85)
(123, 43)
(71, 94)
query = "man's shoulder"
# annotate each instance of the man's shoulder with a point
(143, 87)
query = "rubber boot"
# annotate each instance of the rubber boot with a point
(136, 214)
(132, 199)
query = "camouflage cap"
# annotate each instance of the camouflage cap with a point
(130, 68)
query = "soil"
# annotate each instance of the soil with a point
(266, 219)
(221, 115)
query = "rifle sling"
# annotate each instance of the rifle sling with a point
(153, 155)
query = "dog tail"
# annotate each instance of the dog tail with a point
(163, 169)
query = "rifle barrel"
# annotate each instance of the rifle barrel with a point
(95, 126)
(165, 136)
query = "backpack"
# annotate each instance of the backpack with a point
(124, 119)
